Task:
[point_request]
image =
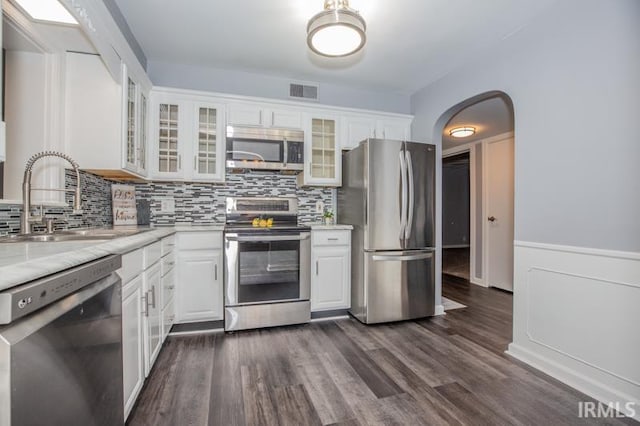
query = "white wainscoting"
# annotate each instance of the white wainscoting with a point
(577, 318)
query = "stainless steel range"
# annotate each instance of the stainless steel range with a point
(267, 268)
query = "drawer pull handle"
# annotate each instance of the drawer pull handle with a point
(332, 239)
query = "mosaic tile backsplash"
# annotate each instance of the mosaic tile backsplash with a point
(96, 204)
(204, 203)
(198, 203)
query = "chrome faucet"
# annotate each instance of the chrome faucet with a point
(26, 219)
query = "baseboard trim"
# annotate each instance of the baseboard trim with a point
(580, 382)
(439, 310)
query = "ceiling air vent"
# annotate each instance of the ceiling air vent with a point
(304, 91)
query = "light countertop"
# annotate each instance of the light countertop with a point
(322, 227)
(24, 262)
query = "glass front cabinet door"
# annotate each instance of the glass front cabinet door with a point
(208, 148)
(322, 151)
(188, 139)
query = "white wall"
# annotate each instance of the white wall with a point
(574, 78)
(250, 84)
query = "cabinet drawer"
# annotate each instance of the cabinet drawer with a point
(168, 244)
(200, 240)
(152, 254)
(330, 238)
(168, 263)
(131, 265)
(168, 287)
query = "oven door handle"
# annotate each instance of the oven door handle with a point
(264, 238)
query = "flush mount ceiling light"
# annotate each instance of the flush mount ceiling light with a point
(47, 10)
(462, 132)
(336, 31)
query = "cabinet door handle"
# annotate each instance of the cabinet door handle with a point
(317, 267)
(145, 302)
(179, 162)
(171, 287)
(195, 163)
(216, 272)
(153, 296)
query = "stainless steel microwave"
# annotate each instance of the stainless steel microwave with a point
(265, 148)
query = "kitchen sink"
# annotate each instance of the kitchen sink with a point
(97, 234)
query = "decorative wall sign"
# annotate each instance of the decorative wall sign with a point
(124, 205)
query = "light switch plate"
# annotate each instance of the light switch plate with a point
(319, 206)
(167, 205)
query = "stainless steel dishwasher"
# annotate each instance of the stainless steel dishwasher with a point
(61, 348)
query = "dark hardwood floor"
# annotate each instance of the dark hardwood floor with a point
(447, 370)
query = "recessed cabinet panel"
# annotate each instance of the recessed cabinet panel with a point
(199, 296)
(245, 115)
(357, 129)
(393, 129)
(289, 119)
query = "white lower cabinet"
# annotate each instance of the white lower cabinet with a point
(147, 312)
(152, 319)
(132, 342)
(330, 270)
(199, 287)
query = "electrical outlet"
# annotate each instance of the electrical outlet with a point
(167, 205)
(319, 206)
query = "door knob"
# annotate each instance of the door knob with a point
(491, 219)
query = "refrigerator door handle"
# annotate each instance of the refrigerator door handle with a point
(403, 190)
(402, 258)
(409, 227)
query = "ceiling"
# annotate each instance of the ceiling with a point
(411, 43)
(490, 117)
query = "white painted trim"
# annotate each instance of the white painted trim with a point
(485, 201)
(439, 310)
(476, 281)
(304, 106)
(542, 335)
(467, 146)
(580, 250)
(580, 382)
(473, 213)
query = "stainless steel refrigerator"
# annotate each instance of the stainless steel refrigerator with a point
(388, 195)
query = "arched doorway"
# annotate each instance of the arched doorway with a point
(477, 192)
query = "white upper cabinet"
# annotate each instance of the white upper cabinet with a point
(135, 125)
(106, 121)
(356, 128)
(396, 129)
(208, 148)
(188, 138)
(323, 159)
(259, 115)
